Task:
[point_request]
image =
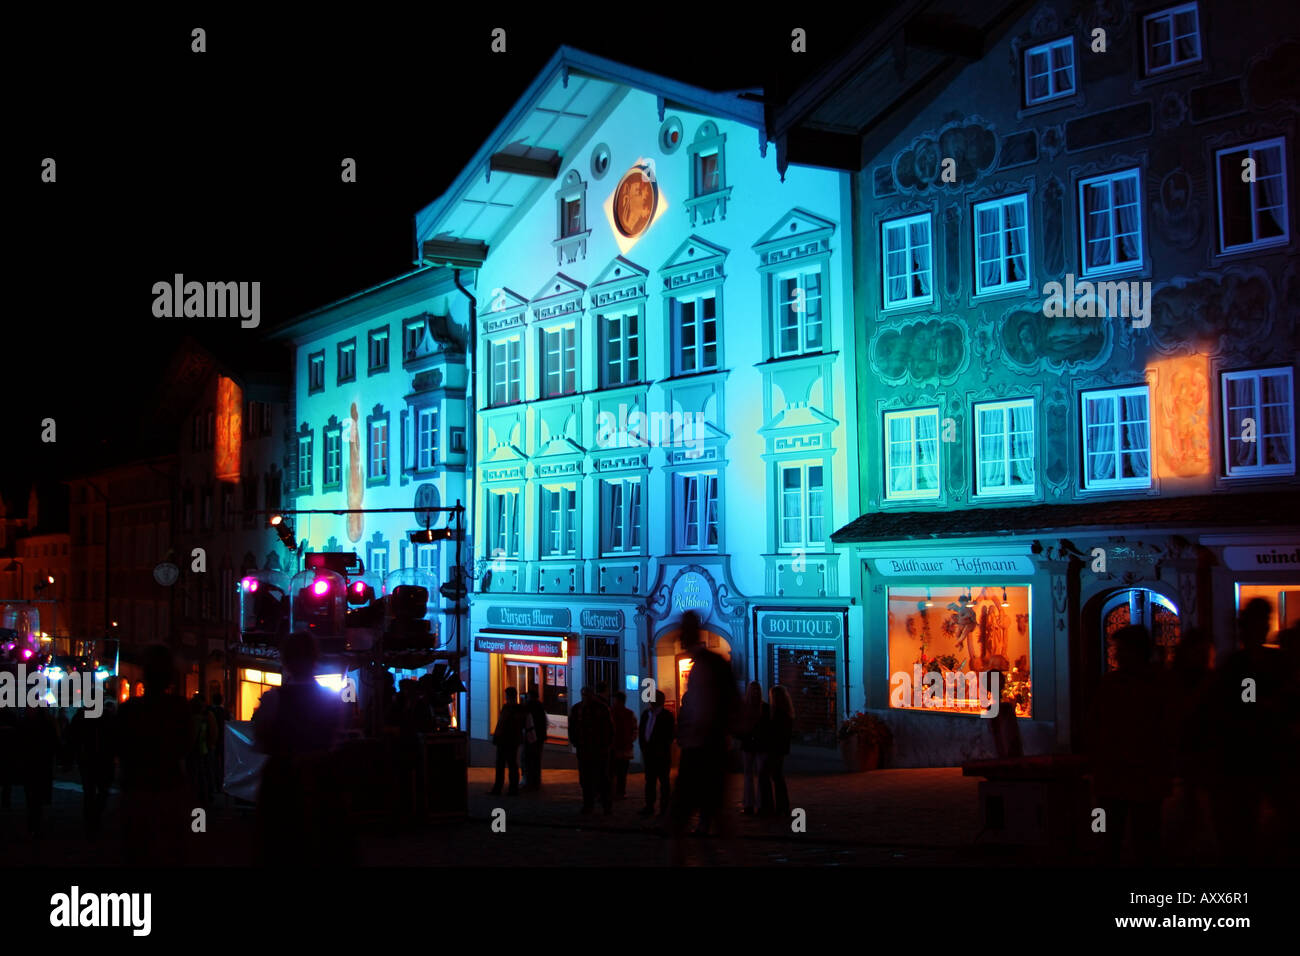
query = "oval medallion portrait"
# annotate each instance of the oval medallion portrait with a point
(635, 201)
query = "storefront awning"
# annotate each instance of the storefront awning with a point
(1263, 510)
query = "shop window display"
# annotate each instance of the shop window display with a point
(961, 634)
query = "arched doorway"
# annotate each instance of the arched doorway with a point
(673, 667)
(1142, 606)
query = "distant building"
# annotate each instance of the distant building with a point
(1078, 303)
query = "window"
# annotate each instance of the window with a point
(559, 362)
(504, 369)
(377, 563)
(412, 336)
(426, 558)
(912, 454)
(1004, 448)
(620, 350)
(1171, 38)
(250, 502)
(707, 173)
(1049, 71)
(799, 313)
(697, 511)
(347, 361)
(333, 459)
(316, 372)
(304, 463)
(1116, 439)
(1258, 423)
(378, 450)
(426, 439)
(695, 333)
(1252, 209)
(378, 339)
(1002, 245)
(803, 506)
(906, 248)
(559, 532)
(1110, 219)
(620, 527)
(571, 218)
(954, 632)
(503, 523)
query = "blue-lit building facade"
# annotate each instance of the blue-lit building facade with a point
(1076, 297)
(663, 397)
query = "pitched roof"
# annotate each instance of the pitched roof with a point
(1256, 509)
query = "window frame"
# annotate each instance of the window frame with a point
(1135, 264)
(420, 447)
(1115, 394)
(1174, 64)
(566, 372)
(912, 414)
(304, 462)
(1046, 49)
(1257, 375)
(1000, 203)
(347, 370)
(676, 307)
(799, 274)
(806, 541)
(332, 432)
(631, 516)
(604, 323)
(1006, 490)
(512, 388)
(315, 381)
(503, 506)
(373, 421)
(905, 223)
(684, 522)
(1254, 244)
(565, 516)
(374, 336)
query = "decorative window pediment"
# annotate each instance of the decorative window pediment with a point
(559, 296)
(707, 155)
(571, 214)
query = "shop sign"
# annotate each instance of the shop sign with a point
(692, 593)
(1279, 558)
(800, 626)
(548, 617)
(1000, 564)
(594, 619)
(528, 646)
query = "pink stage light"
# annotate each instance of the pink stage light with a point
(320, 587)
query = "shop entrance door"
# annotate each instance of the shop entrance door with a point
(524, 677)
(1153, 611)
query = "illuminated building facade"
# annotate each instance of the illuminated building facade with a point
(663, 402)
(1077, 294)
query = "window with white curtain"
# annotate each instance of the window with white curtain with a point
(1117, 438)
(503, 371)
(1171, 38)
(333, 459)
(905, 246)
(426, 438)
(1002, 244)
(1258, 422)
(696, 522)
(503, 523)
(304, 469)
(1253, 211)
(559, 514)
(620, 521)
(1004, 448)
(559, 362)
(799, 312)
(1049, 71)
(1110, 222)
(803, 506)
(695, 333)
(912, 454)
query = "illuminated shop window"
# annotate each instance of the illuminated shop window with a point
(1258, 422)
(912, 454)
(960, 634)
(1284, 599)
(1049, 71)
(1004, 443)
(1110, 223)
(1116, 438)
(799, 312)
(1253, 212)
(907, 268)
(1171, 38)
(1002, 245)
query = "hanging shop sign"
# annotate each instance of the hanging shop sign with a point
(800, 626)
(598, 619)
(546, 617)
(1001, 564)
(527, 646)
(1284, 557)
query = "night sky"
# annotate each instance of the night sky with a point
(225, 166)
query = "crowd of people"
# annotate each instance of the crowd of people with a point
(1194, 749)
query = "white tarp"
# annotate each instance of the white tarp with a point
(243, 763)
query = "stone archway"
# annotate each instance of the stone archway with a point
(672, 667)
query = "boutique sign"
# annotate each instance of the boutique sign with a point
(800, 626)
